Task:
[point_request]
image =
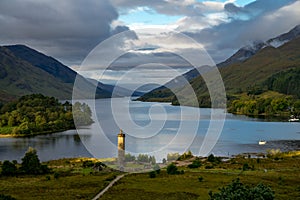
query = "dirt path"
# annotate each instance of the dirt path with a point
(109, 186)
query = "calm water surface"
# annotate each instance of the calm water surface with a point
(153, 128)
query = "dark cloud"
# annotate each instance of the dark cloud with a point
(274, 18)
(67, 29)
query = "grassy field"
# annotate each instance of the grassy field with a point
(280, 171)
(69, 180)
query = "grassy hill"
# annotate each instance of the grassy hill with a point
(18, 78)
(259, 74)
(26, 71)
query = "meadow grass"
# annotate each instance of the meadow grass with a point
(281, 174)
(280, 171)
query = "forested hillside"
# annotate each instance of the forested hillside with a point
(36, 114)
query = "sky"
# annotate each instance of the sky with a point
(139, 32)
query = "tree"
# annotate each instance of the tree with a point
(238, 191)
(172, 169)
(129, 157)
(31, 163)
(8, 168)
(211, 158)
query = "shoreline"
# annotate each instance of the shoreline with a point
(33, 134)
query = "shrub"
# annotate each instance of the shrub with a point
(172, 169)
(186, 155)
(152, 174)
(6, 197)
(8, 168)
(195, 164)
(245, 167)
(209, 167)
(31, 163)
(237, 190)
(56, 175)
(211, 158)
(87, 163)
(200, 178)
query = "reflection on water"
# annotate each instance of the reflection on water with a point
(240, 134)
(51, 146)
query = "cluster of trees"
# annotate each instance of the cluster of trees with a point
(34, 114)
(286, 82)
(265, 106)
(143, 158)
(237, 190)
(30, 165)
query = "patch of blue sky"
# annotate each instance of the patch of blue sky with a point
(237, 2)
(145, 15)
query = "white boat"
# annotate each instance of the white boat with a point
(293, 119)
(262, 142)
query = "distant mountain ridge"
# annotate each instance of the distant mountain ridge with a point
(25, 71)
(250, 50)
(241, 74)
(19, 77)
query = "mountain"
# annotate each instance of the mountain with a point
(25, 71)
(244, 53)
(284, 38)
(251, 49)
(18, 77)
(116, 91)
(259, 71)
(44, 62)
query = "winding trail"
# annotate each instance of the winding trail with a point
(109, 186)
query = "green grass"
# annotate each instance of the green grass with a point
(73, 182)
(280, 171)
(77, 186)
(282, 175)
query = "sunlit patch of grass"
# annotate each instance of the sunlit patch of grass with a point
(281, 175)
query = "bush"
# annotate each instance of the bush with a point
(246, 167)
(48, 178)
(31, 163)
(209, 167)
(87, 163)
(185, 156)
(200, 178)
(195, 164)
(6, 197)
(172, 169)
(56, 175)
(152, 174)
(8, 168)
(211, 158)
(237, 190)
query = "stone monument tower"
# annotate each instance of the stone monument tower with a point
(121, 149)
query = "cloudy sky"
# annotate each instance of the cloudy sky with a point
(160, 32)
